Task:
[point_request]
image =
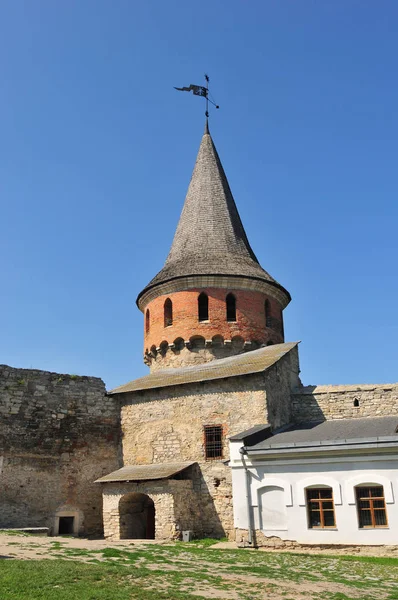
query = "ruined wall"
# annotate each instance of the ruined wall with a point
(166, 425)
(316, 403)
(58, 433)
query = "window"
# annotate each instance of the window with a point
(320, 508)
(231, 307)
(267, 310)
(147, 322)
(203, 307)
(371, 507)
(213, 441)
(168, 313)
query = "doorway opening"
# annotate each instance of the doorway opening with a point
(136, 517)
(66, 525)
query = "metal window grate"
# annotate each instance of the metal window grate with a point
(213, 441)
(320, 507)
(371, 507)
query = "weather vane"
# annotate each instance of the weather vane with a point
(200, 90)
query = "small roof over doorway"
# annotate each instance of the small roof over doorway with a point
(145, 472)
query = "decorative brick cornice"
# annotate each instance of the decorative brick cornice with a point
(180, 284)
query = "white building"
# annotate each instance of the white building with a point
(334, 482)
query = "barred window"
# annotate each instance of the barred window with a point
(203, 307)
(168, 313)
(371, 506)
(320, 507)
(231, 307)
(213, 441)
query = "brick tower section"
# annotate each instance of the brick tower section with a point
(176, 337)
(212, 299)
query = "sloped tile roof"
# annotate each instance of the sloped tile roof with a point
(145, 472)
(210, 238)
(329, 432)
(254, 361)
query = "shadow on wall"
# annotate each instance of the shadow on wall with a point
(210, 501)
(137, 517)
(305, 406)
(324, 402)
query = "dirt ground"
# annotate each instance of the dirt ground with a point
(36, 547)
(200, 570)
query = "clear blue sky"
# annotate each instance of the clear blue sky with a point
(97, 149)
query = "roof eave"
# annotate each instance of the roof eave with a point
(177, 277)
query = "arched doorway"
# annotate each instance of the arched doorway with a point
(136, 517)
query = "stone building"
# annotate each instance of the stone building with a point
(189, 446)
(214, 342)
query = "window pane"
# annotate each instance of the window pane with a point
(328, 518)
(327, 505)
(315, 518)
(325, 492)
(364, 504)
(378, 504)
(376, 492)
(312, 493)
(363, 492)
(365, 518)
(380, 518)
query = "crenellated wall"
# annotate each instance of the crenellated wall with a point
(58, 433)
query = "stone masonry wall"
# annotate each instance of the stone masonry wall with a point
(174, 506)
(58, 433)
(279, 383)
(316, 403)
(166, 425)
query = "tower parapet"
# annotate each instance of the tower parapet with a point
(212, 298)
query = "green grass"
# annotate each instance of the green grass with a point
(174, 572)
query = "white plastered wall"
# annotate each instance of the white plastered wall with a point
(288, 479)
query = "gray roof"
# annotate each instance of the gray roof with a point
(210, 238)
(145, 472)
(331, 432)
(253, 361)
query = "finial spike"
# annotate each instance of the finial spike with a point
(207, 126)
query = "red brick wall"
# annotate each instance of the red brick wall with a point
(250, 314)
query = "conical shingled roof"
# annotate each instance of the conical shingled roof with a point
(210, 238)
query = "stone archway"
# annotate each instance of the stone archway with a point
(136, 517)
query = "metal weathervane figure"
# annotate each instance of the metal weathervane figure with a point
(200, 90)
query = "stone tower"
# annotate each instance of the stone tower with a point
(212, 298)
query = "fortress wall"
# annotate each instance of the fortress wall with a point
(317, 403)
(58, 433)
